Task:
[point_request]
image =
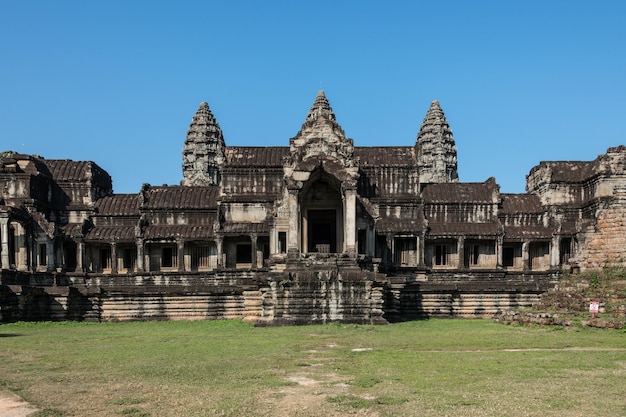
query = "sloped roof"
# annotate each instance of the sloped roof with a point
(534, 232)
(244, 228)
(177, 231)
(394, 224)
(257, 156)
(108, 233)
(182, 197)
(468, 229)
(118, 205)
(520, 203)
(459, 192)
(385, 156)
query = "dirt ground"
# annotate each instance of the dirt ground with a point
(13, 406)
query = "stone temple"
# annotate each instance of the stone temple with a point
(317, 231)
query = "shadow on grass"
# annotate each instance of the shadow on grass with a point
(9, 335)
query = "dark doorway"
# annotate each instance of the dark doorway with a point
(322, 231)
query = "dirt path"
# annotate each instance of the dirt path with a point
(13, 406)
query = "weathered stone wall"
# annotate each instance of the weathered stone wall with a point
(604, 243)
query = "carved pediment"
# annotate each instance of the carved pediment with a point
(321, 142)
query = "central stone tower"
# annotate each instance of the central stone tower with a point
(435, 148)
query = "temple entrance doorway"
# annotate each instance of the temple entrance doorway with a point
(321, 206)
(322, 233)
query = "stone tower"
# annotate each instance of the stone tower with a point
(203, 154)
(435, 148)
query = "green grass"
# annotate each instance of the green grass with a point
(228, 368)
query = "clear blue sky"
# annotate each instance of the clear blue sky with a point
(117, 82)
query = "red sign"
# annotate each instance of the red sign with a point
(594, 306)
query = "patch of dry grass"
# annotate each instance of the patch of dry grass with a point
(228, 368)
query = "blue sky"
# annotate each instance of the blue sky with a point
(117, 82)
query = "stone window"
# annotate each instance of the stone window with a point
(105, 259)
(480, 254)
(203, 258)
(129, 259)
(244, 253)
(539, 256)
(168, 257)
(512, 255)
(441, 255)
(282, 242)
(565, 250)
(42, 259)
(362, 241)
(406, 253)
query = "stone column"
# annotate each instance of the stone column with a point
(461, 251)
(391, 253)
(294, 220)
(525, 256)
(371, 241)
(140, 255)
(555, 252)
(50, 255)
(80, 254)
(419, 251)
(180, 245)
(499, 244)
(113, 258)
(4, 239)
(349, 224)
(219, 243)
(253, 239)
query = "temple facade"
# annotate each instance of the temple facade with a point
(317, 231)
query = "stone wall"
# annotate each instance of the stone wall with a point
(604, 243)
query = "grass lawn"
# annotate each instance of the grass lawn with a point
(229, 368)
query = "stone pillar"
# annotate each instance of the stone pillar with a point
(80, 254)
(371, 241)
(461, 251)
(140, 255)
(419, 250)
(219, 243)
(273, 240)
(113, 258)
(50, 255)
(349, 224)
(180, 245)
(4, 239)
(253, 239)
(499, 244)
(294, 220)
(391, 254)
(525, 256)
(22, 248)
(555, 252)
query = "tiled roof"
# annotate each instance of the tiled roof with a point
(178, 231)
(394, 224)
(385, 155)
(244, 228)
(258, 156)
(460, 192)
(520, 203)
(67, 170)
(468, 229)
(118, 205)
(535, 232)
(182, 197)
(111, 233)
